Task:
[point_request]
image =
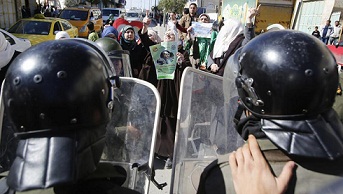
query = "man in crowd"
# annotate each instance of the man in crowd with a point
(187, 19)
(326, 31)
(334, 37)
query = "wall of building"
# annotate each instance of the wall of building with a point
(313, 13)
(10, 12)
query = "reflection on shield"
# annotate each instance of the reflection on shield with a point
(204, 130)
(131, 134)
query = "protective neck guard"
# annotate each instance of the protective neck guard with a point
(318, 137)
(50, 161)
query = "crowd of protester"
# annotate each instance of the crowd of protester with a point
(204, 53)
(208, 54)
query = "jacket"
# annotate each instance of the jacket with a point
(309, 176)
(185, 22)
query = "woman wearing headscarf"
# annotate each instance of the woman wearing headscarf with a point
(137, 51)
(169, 91)
(203, 44)
(231, 37)
(111, 32)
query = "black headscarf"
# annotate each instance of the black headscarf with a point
(127, 44)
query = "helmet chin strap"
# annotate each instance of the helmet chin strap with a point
(249, 124)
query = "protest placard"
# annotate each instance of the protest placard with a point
(202, 29)
(164, 57)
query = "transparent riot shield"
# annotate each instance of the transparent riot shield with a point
(131, 134)
(203, 130)
(2, 107)
(9, 142)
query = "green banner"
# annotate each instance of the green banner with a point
(237, 9)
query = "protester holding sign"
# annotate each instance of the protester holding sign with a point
(230, 38)
(203, 37)
(164, 57)
(168, 87)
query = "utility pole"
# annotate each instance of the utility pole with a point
(155, 9)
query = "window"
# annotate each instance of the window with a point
(108, 12)
(66, 26)
(57, 27)
(31, 27)
(132, 15)
(9, 39)
(74, 15)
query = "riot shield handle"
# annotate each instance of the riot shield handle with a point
(150, 173)
(141, 167)
(152, 179)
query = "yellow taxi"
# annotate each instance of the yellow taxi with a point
(80, 16)
(39, 28)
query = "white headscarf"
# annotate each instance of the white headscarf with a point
(275, 27)
(61, 35)
(6, 51)
(231, 29)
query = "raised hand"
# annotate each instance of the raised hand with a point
(252, 12)
(249, 166)
(146, 21)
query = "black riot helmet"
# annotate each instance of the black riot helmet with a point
(287, 74)
(288, 81)
(120, 58)
(58, 97)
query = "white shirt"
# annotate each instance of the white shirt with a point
(336, 31)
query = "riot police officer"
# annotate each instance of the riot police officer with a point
(120, 58)
(59, 98)
(287, 82)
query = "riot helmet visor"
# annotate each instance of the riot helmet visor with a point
(121, 62)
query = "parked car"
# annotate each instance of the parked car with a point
(114, 11)
(80, 16)
(18, 44)
(39, 28)
(133, 16)
(337, 51)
